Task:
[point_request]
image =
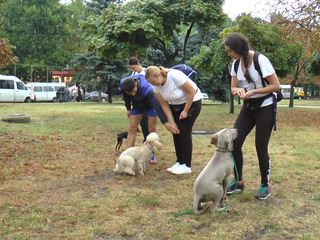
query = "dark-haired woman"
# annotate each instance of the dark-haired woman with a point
(136, 68)
(139, 98)
(247, 84)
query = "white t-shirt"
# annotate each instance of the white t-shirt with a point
(266, 70)
(143, 72)
(172, 91)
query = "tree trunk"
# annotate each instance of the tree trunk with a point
(305, 90)
(186, 42)
(110, 91)
(291, 95)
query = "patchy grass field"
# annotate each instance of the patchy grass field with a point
(56, 179)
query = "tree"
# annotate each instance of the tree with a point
(97, 73)
(96, 6)
(300, 21)
(6, 53)
(39, 30)
(129, 29)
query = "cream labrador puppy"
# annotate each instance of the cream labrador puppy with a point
(134, 159)
(212, 182)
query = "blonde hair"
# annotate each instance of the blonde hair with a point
(153, 71)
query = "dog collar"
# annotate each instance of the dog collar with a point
(222, 150)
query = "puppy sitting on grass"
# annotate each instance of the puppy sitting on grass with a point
(212, 182)
(133, 160)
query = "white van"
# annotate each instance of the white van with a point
(45, 91)
(12, 89)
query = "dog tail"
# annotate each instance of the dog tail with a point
(200, 209)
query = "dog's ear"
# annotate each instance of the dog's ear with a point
(229, 139)
(214, 139)
(156, 145)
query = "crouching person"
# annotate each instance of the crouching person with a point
(139, 97)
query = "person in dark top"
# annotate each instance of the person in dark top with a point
(136, 68)
(139, 97)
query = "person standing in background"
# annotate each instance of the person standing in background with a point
(136, 67)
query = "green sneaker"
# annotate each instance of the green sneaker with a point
(232, 186)
(263, 192)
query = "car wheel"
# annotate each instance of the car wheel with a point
(27, 100)
(103, 99)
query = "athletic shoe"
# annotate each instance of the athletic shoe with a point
(177, 164)
(232, 186)
(263, 192)
(182, 169)
(153, 159)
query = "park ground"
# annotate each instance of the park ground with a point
(56, 179)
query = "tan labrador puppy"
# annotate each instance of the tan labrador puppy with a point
(212, 182)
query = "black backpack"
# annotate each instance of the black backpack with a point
(257, 67)
(187, 70)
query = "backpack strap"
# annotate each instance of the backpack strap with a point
(236, 65)
(257, 67)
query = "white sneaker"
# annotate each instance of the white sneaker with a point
(177, 164)
(181, 169)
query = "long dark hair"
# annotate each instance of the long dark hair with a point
(239, 44)
(134, 61)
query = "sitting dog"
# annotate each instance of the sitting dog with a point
(134, 159)
(212, 182)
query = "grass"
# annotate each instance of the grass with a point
(56, 178)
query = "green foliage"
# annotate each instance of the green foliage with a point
(130, 29)
(96, 73)
(38, 29)
(314, 67)
(96, 6)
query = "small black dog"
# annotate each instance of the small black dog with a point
(120, 137)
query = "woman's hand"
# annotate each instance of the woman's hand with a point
(247, 95)
(173, 128)
(183, 114)
(241, 92)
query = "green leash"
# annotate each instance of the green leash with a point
(191, 211)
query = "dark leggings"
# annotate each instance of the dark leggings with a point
(144, 125)
(246, 120)
(183, 141)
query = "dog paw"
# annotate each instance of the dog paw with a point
(130, 172)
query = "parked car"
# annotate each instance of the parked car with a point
(94, 96)
(205, 96)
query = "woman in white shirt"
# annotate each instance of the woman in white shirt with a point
(257, 110)
(180, 99)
